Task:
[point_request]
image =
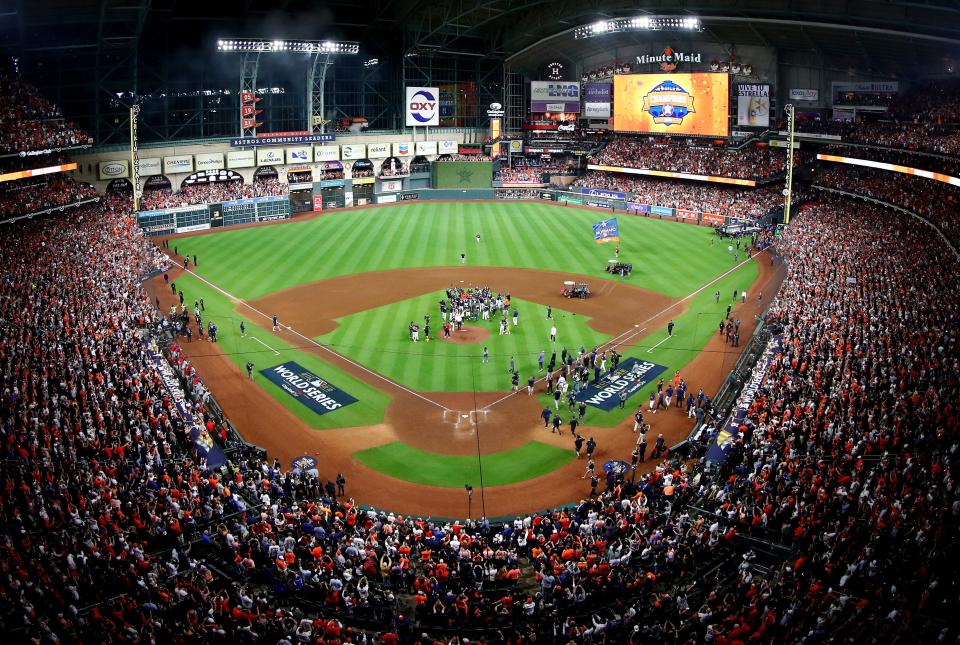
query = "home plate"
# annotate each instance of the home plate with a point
(464, 416)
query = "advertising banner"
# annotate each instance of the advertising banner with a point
(202, 440)
(596, 110)
(386, 199)
(177, 164)
(114, 169)
(673, 175)
(882, 165)
(378, 150)
(318, 394)
(599, 192)
(270, 157)
(751, 388)
(676, 103)
(635, 207)
(241, 159)
(629, 377)
(317, 203)
(391, 186)
(596, 204)
(363, 180)
(404, 149)
(661, 210)
(299, 154)
(427, 148)
(598, 92)
(405, 197)
(150, 166)
(555, 96)
(683, 213)
(753, 105)
(712, 219)
(800, 94)
(355, 151)
(606, 230)
(281, 139)
(209, 160)
(423, 106)
(446, 147)
(326, 153)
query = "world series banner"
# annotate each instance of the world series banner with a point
(606, 230)
(672, 103)
(630, 376)
(319, 395)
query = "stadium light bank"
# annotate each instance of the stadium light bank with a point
(288, 46)
(640, 23)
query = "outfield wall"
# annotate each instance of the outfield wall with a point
(202, 217)
(462, 174)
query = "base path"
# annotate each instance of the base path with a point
(433, 421)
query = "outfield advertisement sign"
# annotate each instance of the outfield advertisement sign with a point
(683, 213)
(319, 395)
(606, 194)
(596, 204)
(326, 153)
(177, 164)
(630, 376)
(241, 159)
(427, 148)
(208, 160)
(661, 210)
(150, 166)
(636, 207)
(446, 147)
(355, 151)
(378, 150)
(712, 218)
(270, 157)
(423, 106)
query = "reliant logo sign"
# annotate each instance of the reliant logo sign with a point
(668, 59)
(423, 106)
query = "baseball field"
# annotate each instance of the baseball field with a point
(410, 423)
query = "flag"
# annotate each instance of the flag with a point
(605, 231)
(249, 97)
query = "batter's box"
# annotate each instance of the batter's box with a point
(478, 416)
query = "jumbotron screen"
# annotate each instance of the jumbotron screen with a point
(672, 103)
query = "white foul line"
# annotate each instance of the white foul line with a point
(312, 341)
(658, 344)
(265, 345)
(630, 333)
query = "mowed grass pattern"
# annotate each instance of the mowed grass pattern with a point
(378, 338)
(405, 462)
(668, 257)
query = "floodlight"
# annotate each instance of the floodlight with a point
(640, 23)
(292, 46)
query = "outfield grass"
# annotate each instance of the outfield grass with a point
(670, 258)
(266, 349)
(405, 462)
(378, 339)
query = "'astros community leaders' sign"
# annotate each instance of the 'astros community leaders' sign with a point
(319, 395)
(630, 376)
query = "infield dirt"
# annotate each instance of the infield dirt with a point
(433, 421)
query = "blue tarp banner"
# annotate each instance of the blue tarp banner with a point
(630, 376)
(606, 230)
(318, 394)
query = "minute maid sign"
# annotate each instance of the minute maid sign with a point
(318, 394)
(630, 377)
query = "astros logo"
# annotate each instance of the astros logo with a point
(668, 103)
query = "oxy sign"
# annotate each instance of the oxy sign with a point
(423, 106)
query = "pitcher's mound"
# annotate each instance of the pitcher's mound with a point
(467, 335)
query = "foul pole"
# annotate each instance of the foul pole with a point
(788, 190)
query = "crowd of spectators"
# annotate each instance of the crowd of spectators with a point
(401, 169)
(707, 197)
(213, 193)
(848, 450)
(37, 194)
(117, 530)
(749, 163)
(933, 102)
(30, 122)
(532, 171)
(516, 193)
(936, 201)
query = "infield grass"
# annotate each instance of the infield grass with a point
(405, 462)
(378, 338)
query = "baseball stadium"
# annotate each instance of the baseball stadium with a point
(453, 322)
